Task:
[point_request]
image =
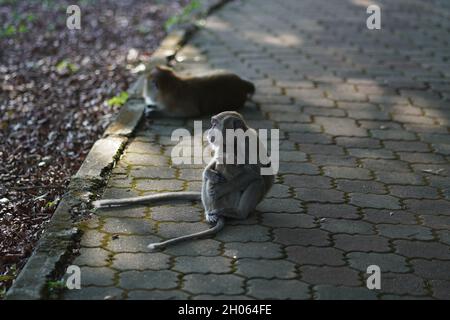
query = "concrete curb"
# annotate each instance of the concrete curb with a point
(54, 250)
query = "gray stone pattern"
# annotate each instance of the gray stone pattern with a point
(364, 119)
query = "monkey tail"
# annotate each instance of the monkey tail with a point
(165, 196)
(219, 226)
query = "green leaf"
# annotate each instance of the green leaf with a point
(118, 100)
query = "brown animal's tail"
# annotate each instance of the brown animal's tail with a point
(219, 226)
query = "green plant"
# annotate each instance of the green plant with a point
(65, 65)
(118, 100)
(184, 16)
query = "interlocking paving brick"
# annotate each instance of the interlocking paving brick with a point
(177, 213)
(352, 186)
(347, 173)
(127, 226)
(267, 250)
(417, 192)
(148, 279)
(244, 234)
(420, 249)
(213, 284)
(140, 261)
(305, 237)
(96, 276)
(94, 293)
(374, 201)
(304, 181)
(157, 295)
(330, 275)
(289, 220)
(397, 283)
(315, 256)
(130, 243)
(347, 226)
(326, 292)
(405, 231)
(256, 268)
(431, 269)
(92, 238)
(93, 257)
(188, 264)
(441, 289)
(278, 289)
(388, 262)
(281, 205)
(319, 195)
(361, 243)
(332, 210)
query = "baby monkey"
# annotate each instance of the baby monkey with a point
(228, 189)
(177, 96)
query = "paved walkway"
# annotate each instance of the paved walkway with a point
(364, 118)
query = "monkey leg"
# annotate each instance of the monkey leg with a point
(248, 201)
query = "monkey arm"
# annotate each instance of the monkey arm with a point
(240, 183)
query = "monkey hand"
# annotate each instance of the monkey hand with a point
(212, 192)
(212, 217)
(214, 177)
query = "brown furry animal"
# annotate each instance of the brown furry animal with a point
(177, 96)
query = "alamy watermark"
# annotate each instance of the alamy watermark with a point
(242, 147)
(73, 21)
(374, 20)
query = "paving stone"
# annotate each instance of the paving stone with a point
(347, 173)
(420, 249)
(152, 172)
(351, 142)
(213, 284)
(371, 154)
(396, 283)
(116, 193)
(321, 149)
(330, 275)
(304, 181)
(266, 250)
(441, 289)
(347, 226)
(157, 295)
(388, 262)
(128, 243)
(432, 207)
(393, 134)
(94, 293)
(405, 232)
(401, 178)
(361, 243)
(121, 212)
(299, 236)
(326, 292)
(431, 269)
(299, 168)
(93, 257)
(315, 256)
(177, 213)
(289, 220)
(414, 192)
(278, 289)
(332, 210)
(187, 265)
(175, 229)
(96, 276)
(140, 261)
(374, 201)
(278, 191)
(92, 238)
(281, 205)
(244, 234)
(341, 127)
(389, 216)
(201, 247)
(352, 186)
(127, 226)
(159, 185)
(319, 195)
(148, 280)
(257, 268)
(137, 159)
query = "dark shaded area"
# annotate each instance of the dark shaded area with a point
(53, 86)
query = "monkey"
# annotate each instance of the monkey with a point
(176, 96)
(229, 190)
